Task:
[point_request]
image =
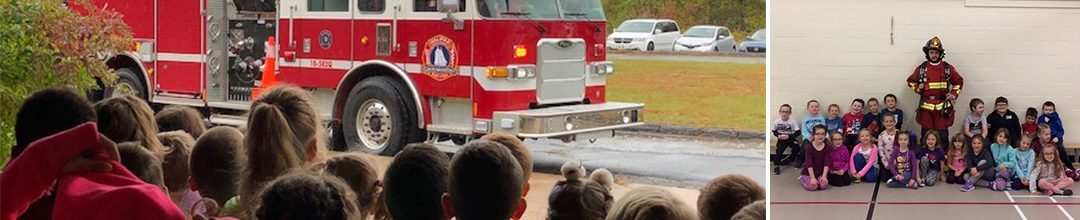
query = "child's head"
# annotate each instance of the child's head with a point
(47, 112)
(303, 194)
(142, 163)
(872, 103)
(723, 196)
(216, 161)
(890, 101)
(520, 152)
(836, 139)
(644, 203)
(485, 183)
(856, 106)
(865, 138)
(359, 173)
(178, 146)
(1043, 131)
(1001, 104)
(577, 198)
(1049, 108)
(889, 120)
(1050, 156)
(1031, 115)
(834, 111)
(813, 107)
(1025, 141)
(1001, 137)
(976, 105)
(415, 181)
(820, 133)
(180, 117)
(127, 118)
(903, 140)
(930, 140)
(959, 142)
(754, 211)
(284, 132)
(977, 143)
(785, 112)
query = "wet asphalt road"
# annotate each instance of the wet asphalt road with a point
(647, 158)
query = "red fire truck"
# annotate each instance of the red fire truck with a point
(385, 72)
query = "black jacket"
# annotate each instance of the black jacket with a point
(1009, 121)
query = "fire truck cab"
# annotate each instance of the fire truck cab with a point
(385, 73)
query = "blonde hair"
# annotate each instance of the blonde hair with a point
(281, 126)
(127, 118)
(178, 146)
(1039, 130)
(358, 171)
(648, 203)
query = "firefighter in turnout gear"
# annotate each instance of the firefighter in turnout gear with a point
(938, 84)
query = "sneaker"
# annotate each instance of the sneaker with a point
(922, 184)
(991, 185)
(776, 170)
(798, 164)
(1049, 192)
(858, 180)
(968, 186)
(998, 185)
(1067, 192)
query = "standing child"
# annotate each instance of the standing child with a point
(902, 163)
(980, 165)
(787, 136)
(853, 124)
(957, 157)
(890, 108)
(1050, 117)
(886, 142)
(1005, 156)
(1025, 162)
(1049, 173)
(818, 160)
(930, 165)
(1029, 125)
(864, 158)
(809, 121)
(835, 123)
(1004, 118)
(838, 170)
(872, 119)
(975, 123)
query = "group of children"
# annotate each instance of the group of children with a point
(838, 151)
(116, 159)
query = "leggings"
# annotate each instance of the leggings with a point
(840, 180)
(984, 178)
(1064, 154)
(871, 174)
(805, 180)
(951, 178)
(1018, 185)
(929, 175)
(1056, 185)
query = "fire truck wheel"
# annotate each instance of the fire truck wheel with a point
(126, 83)
(650, 47)
(379, 118)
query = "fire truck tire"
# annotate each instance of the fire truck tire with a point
(126, 81)
(379, 118)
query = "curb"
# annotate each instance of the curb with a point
(695, 131)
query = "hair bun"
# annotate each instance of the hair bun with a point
(604, 177)
(572, 170)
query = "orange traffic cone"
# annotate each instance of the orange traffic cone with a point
(269, 77)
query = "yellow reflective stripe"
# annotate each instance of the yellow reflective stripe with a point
(957, 88)
(912, 86)
(939, 85)
(935, 106)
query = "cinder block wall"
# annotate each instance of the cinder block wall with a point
(835, 51)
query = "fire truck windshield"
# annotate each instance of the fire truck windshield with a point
(541, 9)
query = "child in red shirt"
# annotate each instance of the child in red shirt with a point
(1029, 125)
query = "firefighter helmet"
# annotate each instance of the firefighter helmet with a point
(934, 44)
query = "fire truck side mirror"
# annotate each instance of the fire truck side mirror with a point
(449, 6)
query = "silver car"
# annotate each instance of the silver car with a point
(705, 38)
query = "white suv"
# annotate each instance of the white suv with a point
(644, 34)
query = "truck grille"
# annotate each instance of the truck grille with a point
(560, 70)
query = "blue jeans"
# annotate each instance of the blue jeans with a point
(871, 175)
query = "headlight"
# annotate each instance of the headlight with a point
(603, 68)
(642, 39)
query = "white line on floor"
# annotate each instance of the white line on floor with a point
(1041, 196)
(1022, 216)
(1062, 209)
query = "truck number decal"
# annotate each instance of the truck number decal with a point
(322, 64)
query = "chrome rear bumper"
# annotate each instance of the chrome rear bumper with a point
(568, 120)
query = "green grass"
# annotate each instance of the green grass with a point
(702, 94)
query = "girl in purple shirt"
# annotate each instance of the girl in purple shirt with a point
(818, 159)
(838, 172)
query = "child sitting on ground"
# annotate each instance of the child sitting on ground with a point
(414, 183)
(975, 123)
(180, 117)
(359, 173)
(887, 143)
(215, 164)
(644, 203)
(178, 146)
(579, 198)
(127, 118)
(1049, 174)
(787, 136)
(838, 169)
(1005, 156)
(864, 159)
(303, 194)
(485, 183)
(903, 164)
(723, 196)
(818, 160)
(931, 160)
(980, 165)
(1025, 162)
(957, 159)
